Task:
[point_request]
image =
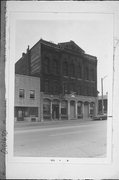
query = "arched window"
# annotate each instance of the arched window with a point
(79, 108)
(55, 66)
(56, 87)
(72, 70)
(46, 106)
(87, 73)
(79, 71)
(92, 106)
(65, 68)
(92, 75)
(46, 86)
(64, 107)
(46, 65)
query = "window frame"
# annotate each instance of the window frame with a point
(32, 96)
(22, 93)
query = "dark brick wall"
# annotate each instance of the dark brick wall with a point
(23, 65)
(61, 70)
(76, 82)
(52, 74)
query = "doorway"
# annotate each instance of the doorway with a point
(72, 110)
(86, 110)
(55, 109)
(20, 115)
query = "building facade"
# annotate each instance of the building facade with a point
(27, 98)
(67, 76)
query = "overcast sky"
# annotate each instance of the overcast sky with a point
(93, 35)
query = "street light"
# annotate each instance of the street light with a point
(102, 93)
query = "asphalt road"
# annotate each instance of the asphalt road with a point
(61, 139)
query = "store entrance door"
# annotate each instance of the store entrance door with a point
(55, 111)
(20, 115)
(86, 111)
(72, 110)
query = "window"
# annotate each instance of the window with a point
(87, 73)
(65, 88)
(56, 87)
(64, 107)
(46, 107)
(32, 94)
(92, 75)
(55, 66)
(46, 65)
(72, 87)
(46, 86)
(92, 105)
(79, 71)
(72, 70)
(79, 89)
(65, 68)
(21, 93)
(79, 108)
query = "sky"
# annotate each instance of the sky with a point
(93, 35)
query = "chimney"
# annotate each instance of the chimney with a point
(27, 49)
(23, 54)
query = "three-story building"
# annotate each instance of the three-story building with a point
(67, 79)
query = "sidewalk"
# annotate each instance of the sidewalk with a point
(21, 124)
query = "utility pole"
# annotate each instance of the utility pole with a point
(116, 42)
(102, 94)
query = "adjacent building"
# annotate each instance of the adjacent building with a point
(62, 76)
(27, 98)
(102, 104)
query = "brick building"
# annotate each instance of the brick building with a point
(67, 77)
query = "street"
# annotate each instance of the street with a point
(61, 139)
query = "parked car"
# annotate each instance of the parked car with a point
(100, 117)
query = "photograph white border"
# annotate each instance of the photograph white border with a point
(21, 10)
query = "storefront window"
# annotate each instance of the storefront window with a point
(91, 108)
(79, 108)
(46, 107)
(64, 107)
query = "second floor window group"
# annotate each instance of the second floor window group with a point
(69, 69)
(22, 94)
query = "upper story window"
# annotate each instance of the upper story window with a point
(72, 70)
(79, 71)
(56, 87)
(65, 88)
(32, 94)
(87, 73)
(46, 65)
(92, 75)
(21, 93)
(65, 68)
(72, 88)
(55, 66)
(46, 86)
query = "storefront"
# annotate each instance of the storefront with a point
(57, 109)
(26, 113)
